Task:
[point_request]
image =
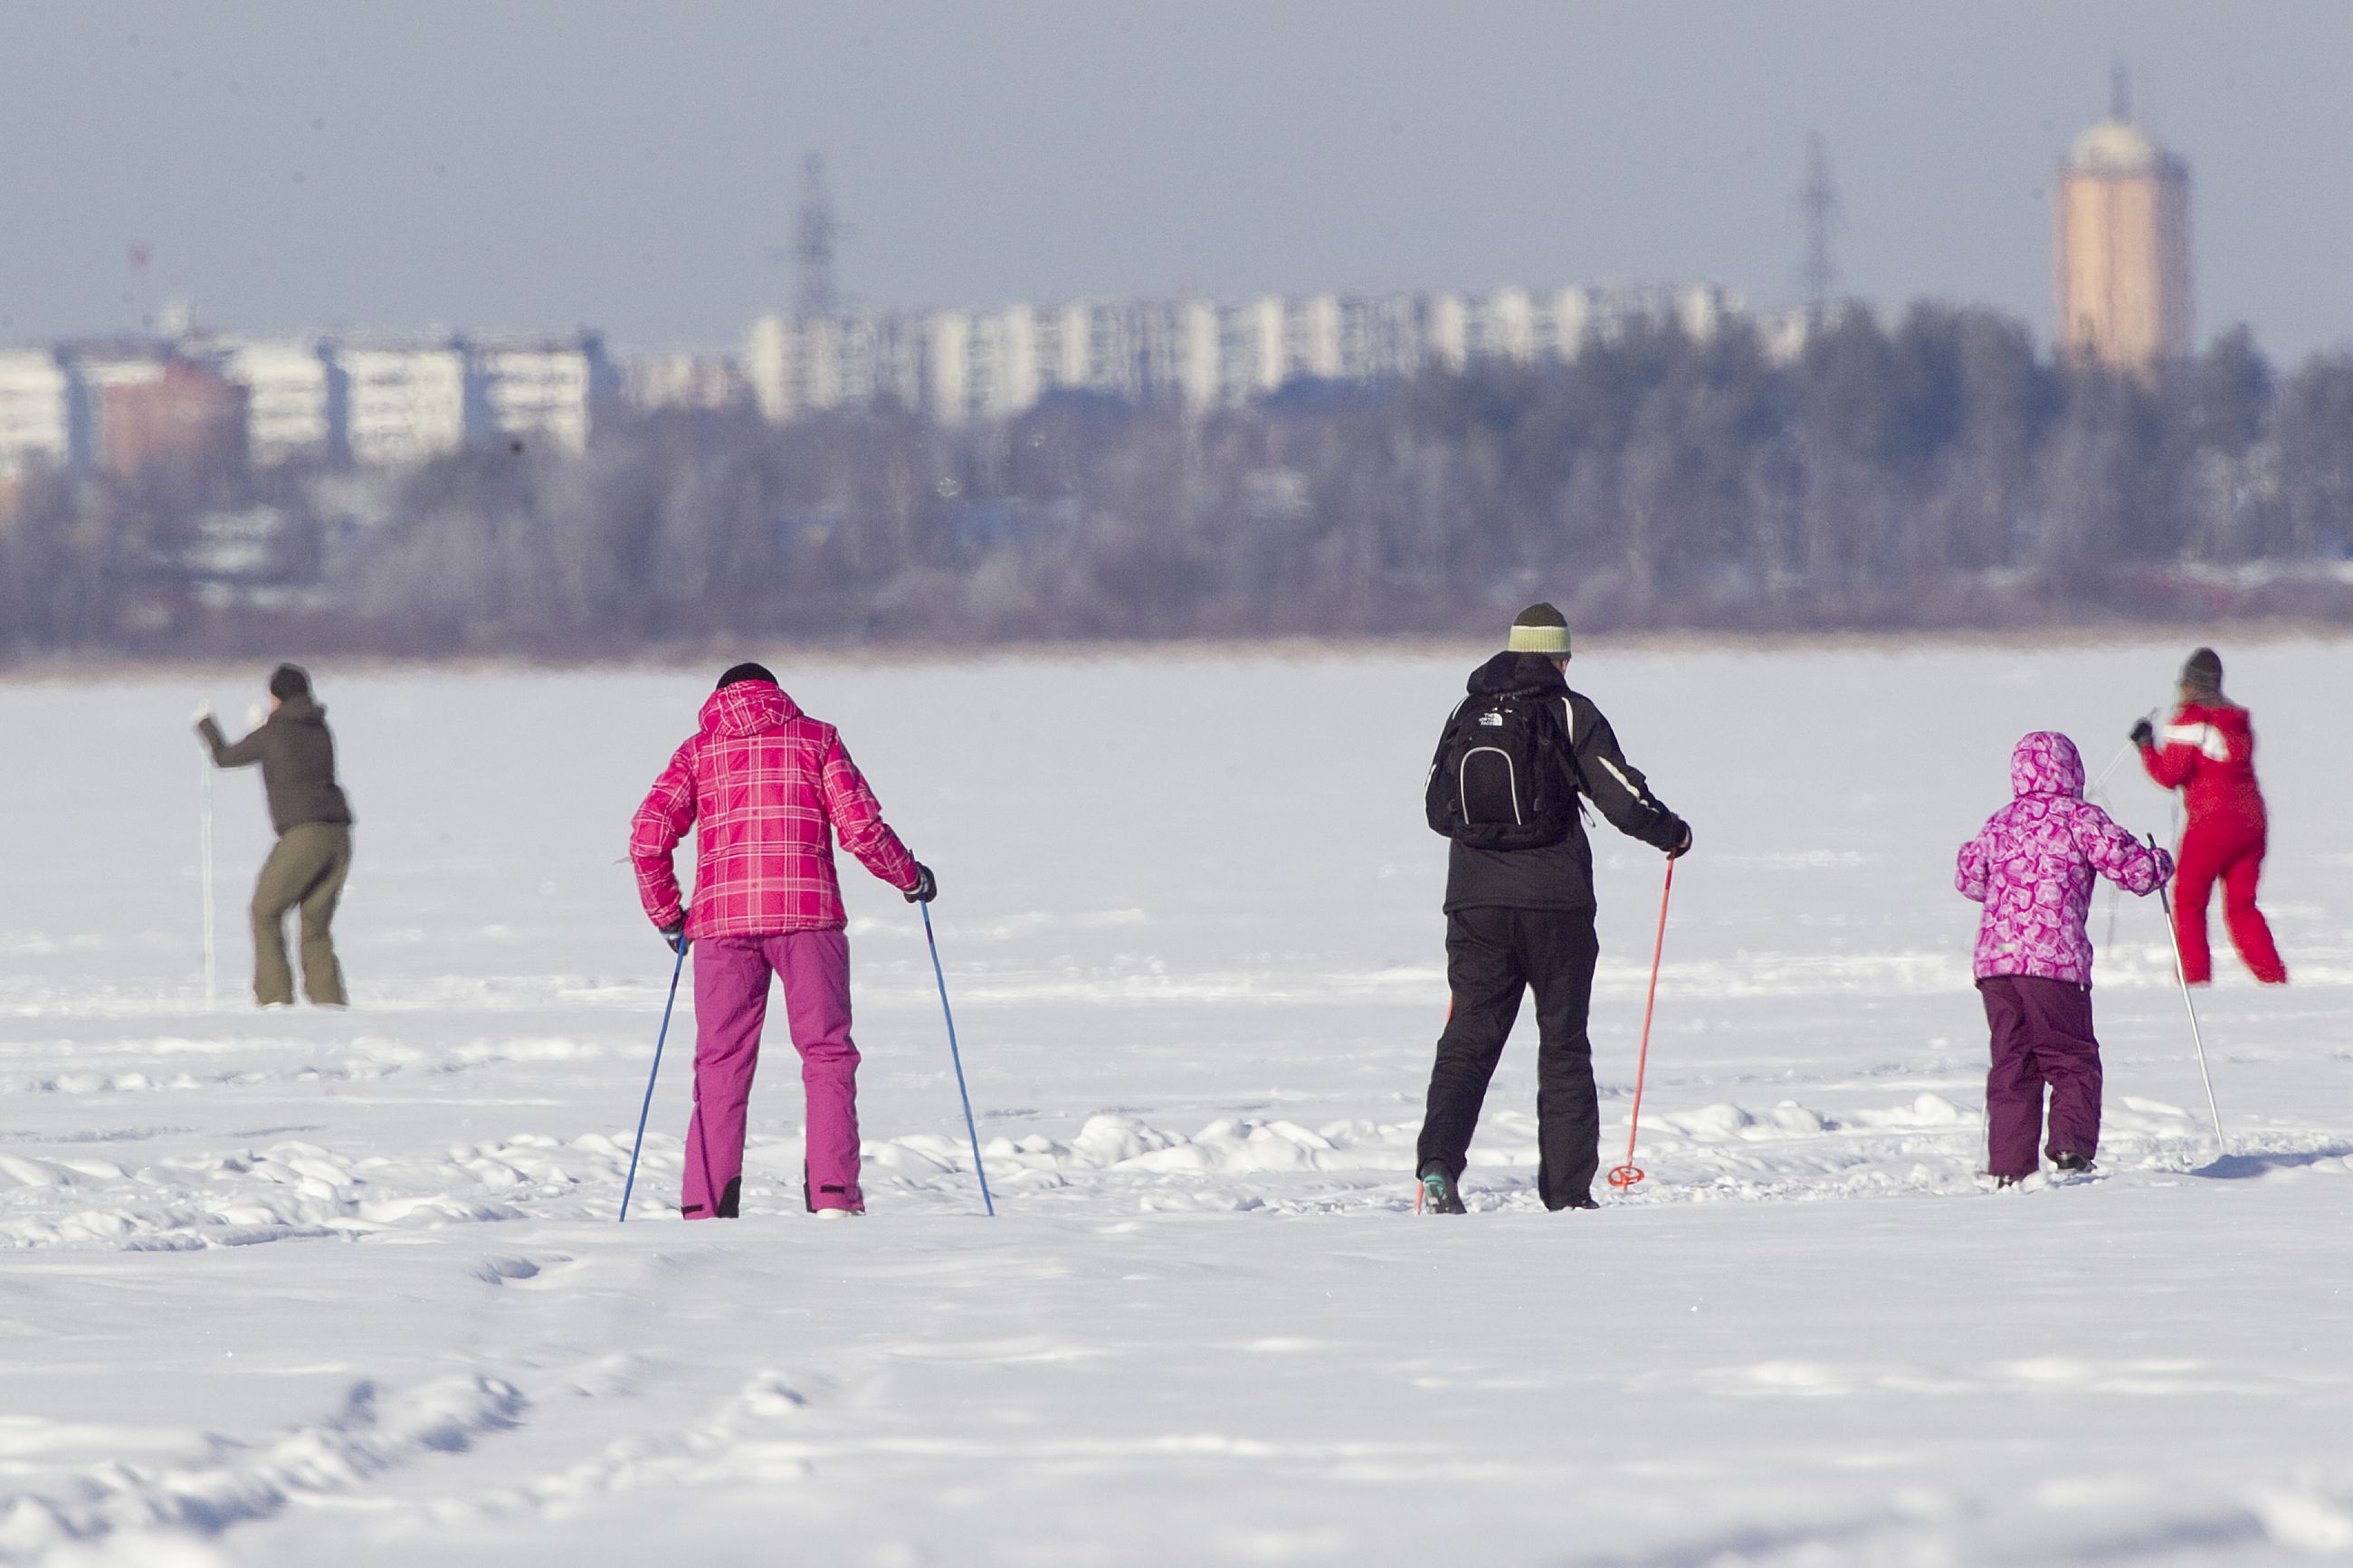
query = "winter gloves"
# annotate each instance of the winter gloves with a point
(1683, 844)
(2144, 733)
(675, 935)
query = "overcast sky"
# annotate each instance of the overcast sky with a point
(529, 165)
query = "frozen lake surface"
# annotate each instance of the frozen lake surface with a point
(304, 1286)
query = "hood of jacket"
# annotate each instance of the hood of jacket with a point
(747, 708)
(1510, 673)
(304, 709)
(2046, 763)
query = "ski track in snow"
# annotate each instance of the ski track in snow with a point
(288, 1288)
(233, 1483)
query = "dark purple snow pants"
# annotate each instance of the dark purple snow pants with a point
(2041, 1036)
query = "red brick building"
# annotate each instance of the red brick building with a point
(187, 415)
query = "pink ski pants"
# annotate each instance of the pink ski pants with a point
(731, 1002)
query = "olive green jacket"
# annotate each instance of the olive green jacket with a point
(297, 762)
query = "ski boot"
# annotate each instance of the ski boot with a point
(1437, 1194)
(2071, 1161)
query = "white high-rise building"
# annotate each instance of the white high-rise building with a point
(1570, 314)
(1165, 336)
(1446, 330)
(947, 382)
(682, 379)
(1312, 340)
(1006, 374)
(1503, 325)
(295, 403)
(767, 363)
(553, 389)
(37, 412)
(407, 401)
(806, 365)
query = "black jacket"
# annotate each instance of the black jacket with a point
(297, 762)
(1559, 875)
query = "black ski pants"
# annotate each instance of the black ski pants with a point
(1491, 955)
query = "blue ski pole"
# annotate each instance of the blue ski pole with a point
(646, 1109)
(957, 1057)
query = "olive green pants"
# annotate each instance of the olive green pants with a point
(306, 871)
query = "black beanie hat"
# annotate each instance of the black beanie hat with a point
(747, 670)
(2203, 672)
(1539, 629)
(288, 681)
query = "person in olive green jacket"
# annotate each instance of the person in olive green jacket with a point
(313, 854)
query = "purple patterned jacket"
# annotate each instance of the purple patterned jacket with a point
(2034, 866)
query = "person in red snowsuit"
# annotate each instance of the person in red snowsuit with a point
(2207, 752)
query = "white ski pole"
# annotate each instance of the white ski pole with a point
(2097, 795)
(205, 865)
(2197, 1036)
(2114, 763)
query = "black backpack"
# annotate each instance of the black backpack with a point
(1499, 781)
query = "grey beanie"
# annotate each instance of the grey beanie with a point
(1539, 629)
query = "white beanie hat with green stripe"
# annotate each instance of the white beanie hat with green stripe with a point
(1539, 629)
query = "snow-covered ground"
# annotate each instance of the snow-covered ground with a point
(301, 1288)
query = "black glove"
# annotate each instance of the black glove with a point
(2144, 733)
(675, 935)
(1683, 845)
(926, 887)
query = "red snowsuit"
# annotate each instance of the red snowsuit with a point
(2209, 753)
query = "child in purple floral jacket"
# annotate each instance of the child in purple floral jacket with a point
(2032, 868)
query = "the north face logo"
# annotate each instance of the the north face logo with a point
(1493, 720)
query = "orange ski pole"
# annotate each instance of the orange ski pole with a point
(1627, 1175)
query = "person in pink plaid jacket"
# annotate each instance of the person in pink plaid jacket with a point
(766, 789)
(2032, 866)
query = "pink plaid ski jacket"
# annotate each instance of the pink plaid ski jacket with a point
(2033, 865)
(765, 787)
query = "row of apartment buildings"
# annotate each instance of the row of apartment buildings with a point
(119, 405)
(379, 401)
(958, 365)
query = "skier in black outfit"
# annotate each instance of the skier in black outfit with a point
(1519, 757)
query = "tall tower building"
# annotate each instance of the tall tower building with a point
(2124, 247)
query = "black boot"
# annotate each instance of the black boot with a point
(1439, 1194)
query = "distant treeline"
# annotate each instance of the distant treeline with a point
(1935, 473)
